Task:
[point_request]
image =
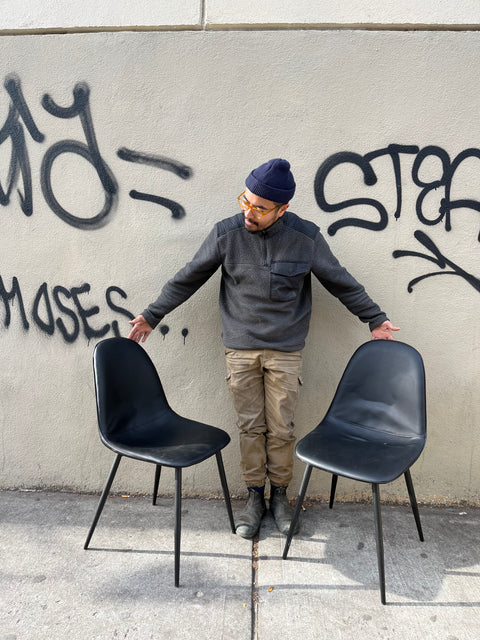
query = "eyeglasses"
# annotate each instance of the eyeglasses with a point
(258, 213)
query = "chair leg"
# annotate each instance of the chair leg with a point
(413, 502)
(103, 499)
(298, 507)
(178, 522)
(158, 470)
(226, 493)
(379, 541)
(333, 488)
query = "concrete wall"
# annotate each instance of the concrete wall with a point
(183, 112)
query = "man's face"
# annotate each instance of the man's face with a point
(255, 222)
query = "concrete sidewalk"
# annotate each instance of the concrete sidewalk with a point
(122, 587)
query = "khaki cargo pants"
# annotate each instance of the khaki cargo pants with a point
(264, 385)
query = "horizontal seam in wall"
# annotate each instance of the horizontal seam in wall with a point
(244, 27)
(342, 26)
(47, 31)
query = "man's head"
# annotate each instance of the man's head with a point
(270, 187)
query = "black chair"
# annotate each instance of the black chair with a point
(373, 431)
(135, 420)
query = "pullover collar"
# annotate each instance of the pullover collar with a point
(270, 231)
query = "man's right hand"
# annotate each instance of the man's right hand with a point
(140, 330)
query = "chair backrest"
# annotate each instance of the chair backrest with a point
(383, 389)
(125, 379)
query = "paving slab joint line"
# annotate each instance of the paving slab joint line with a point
(254, 596)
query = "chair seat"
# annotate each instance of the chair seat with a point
(158, 434)
(357, 452)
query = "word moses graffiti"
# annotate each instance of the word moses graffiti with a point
(68, 310)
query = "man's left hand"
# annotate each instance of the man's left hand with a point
(384, 331)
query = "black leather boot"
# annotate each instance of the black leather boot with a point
(281, 510)
(248, 520)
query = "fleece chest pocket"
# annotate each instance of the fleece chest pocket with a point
(286, 279)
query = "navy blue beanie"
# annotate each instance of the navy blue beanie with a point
(272, 181)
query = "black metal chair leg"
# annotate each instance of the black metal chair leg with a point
(103, 498)
(158, 470)
(178, 522)
(333, 489)
(413, 502)
(379, 540)
(226, 493)
(298, 507)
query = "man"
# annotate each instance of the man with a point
(267, 255)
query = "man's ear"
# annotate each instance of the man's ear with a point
(282, 210)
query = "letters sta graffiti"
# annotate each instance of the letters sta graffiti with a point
(443, 215)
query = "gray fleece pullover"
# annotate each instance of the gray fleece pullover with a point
(265, 290)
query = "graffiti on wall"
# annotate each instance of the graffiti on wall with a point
(20, 123)
(65, 309)
(441, 215)
(61, 308)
